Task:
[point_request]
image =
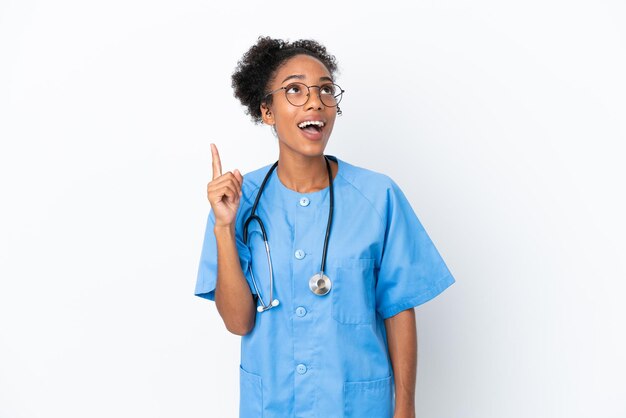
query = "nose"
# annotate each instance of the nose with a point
(314, 101)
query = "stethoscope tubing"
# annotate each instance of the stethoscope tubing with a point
(330, 216)
(254, 217)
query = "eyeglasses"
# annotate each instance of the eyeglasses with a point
(298, 93)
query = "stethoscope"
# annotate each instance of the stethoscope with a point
(319, 283)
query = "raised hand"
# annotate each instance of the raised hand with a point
(224, 192)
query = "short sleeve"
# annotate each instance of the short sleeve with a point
(207, 270)
(411, 269)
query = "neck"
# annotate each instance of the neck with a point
(303, 174)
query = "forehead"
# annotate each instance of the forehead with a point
(305, 65)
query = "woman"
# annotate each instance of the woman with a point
(330, 330)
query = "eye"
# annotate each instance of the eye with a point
(328, 89)
(293, 89)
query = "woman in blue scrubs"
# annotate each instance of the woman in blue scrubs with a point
(337, 341)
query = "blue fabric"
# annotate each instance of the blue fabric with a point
(327, 356)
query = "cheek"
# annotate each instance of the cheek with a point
(285, 120)
(331, 122)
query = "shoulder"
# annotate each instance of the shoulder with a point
(370, 183)
(252, 181)
(379, 189)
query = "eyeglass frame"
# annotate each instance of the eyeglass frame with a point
(308, 95)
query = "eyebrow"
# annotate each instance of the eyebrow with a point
(301, 77)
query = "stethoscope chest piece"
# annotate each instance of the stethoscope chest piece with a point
(320, 284)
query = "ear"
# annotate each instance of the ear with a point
(267, 115)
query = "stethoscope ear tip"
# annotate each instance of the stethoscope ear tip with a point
(262, 308)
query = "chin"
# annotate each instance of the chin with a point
(314, 150)
(304, 147)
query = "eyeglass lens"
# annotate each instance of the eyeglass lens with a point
(298, 94)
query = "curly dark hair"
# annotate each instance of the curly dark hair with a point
(258, 66)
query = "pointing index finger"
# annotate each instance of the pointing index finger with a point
(217, 164)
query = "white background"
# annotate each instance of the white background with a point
(503, 122)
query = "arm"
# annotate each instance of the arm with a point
(402, 340)
(233, 298)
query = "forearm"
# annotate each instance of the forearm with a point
(233, 298)
(402, 341)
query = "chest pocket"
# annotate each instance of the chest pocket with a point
(353, 296)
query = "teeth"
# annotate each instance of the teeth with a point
(311, 122)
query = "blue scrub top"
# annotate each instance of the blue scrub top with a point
(327, 356)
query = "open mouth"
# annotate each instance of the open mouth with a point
(312, 126)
